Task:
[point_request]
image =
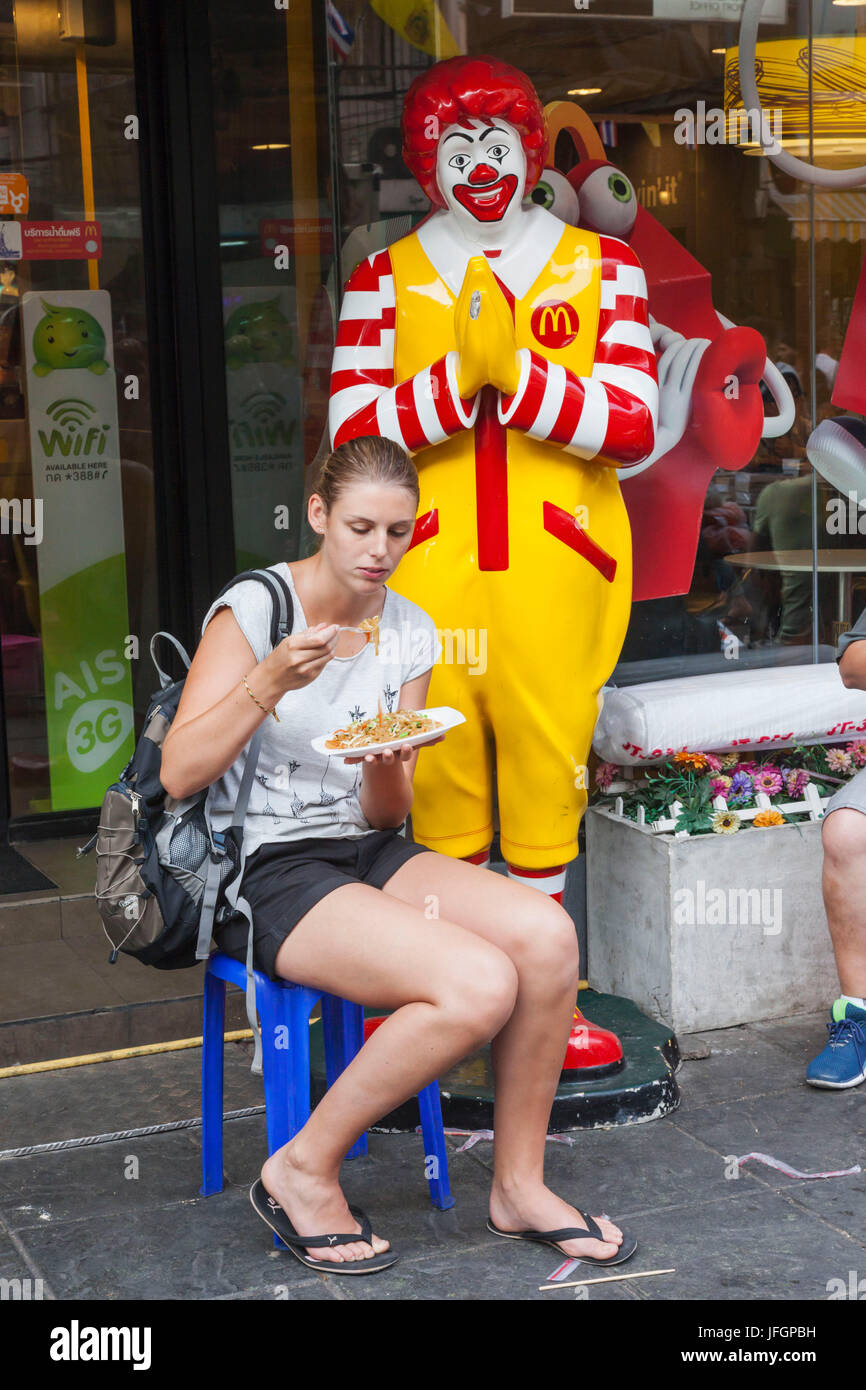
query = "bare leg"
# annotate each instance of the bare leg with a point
(527, 1052)
(844, 839)
(450, 991)
(598, 1046)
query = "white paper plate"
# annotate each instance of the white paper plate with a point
(443, 714)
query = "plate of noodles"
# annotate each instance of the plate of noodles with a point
(399, 728)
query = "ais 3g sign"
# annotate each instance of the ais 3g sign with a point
(75, 450)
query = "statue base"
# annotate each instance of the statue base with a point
(644, 1088)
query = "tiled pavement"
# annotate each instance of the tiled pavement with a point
(124, 1220)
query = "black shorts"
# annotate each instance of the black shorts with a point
(283, 881)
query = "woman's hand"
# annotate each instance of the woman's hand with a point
(386, 785)
(299, 659)
(392, 755)
(388, 757)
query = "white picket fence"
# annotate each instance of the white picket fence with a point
(811, 805)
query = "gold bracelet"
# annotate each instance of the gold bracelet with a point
(259, 703)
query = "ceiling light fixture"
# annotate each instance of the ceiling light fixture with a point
(835, 117)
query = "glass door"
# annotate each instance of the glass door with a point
(78, 590)
(276, 253)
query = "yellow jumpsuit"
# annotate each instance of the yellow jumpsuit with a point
(553, 625)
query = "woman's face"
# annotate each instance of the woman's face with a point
(367, 531)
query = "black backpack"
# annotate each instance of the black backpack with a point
(160, 867)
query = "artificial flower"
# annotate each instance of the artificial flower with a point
(767, 780)
(857, 749)
(604, 775)
(838, 761)
(771, 817)
(720, 786)
(714, 763)
(796, 780)
(741, 789)
(696, 760)
(726, 823)
(729, 760)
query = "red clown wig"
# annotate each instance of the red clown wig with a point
(459, 89)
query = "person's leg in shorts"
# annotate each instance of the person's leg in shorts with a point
(451, 987)
(538, 937)
(842, 1063)
(450, 992)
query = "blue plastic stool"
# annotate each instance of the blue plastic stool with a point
(284, 1012)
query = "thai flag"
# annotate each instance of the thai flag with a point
(341, 35)
(607, 131)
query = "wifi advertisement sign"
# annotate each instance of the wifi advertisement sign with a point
(77, 432)
(263, 420)
(265, 427)
(75, 451)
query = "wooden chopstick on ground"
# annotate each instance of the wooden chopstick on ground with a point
(609, 1279)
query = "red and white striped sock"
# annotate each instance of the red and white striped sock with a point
(482, 857)
(550, 881)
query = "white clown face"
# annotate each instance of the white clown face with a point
(481, 174)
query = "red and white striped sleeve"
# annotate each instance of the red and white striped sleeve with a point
(614, 412)
(364, 398)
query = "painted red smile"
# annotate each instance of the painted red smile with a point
(487, 201)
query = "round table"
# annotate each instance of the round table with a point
(845, 563)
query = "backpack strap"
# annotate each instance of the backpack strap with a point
(282, 618)
(233, 898)
(282, 621)
(164, 680)
(212, 882)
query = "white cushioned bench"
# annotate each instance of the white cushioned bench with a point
(772, 707)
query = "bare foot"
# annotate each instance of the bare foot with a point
(536, 1208)
(316, 1204)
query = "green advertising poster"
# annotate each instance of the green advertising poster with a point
(75, 453)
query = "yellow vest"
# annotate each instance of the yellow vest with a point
(543, 573)
(550, 623)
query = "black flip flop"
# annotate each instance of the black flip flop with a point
(271, 1212)
(592, 1232)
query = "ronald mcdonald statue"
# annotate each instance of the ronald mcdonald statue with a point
(510, 354)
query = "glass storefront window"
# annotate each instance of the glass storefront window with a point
(276, 246)
(765, 570)
(77, 549)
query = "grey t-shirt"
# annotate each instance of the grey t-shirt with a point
(298, 792)
(854, 634)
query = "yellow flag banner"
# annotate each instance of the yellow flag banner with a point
(420, 22)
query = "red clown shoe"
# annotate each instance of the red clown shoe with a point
(592, 1052)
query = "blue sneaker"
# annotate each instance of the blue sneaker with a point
(843, 1061)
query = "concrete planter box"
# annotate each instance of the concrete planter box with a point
(708, 931)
